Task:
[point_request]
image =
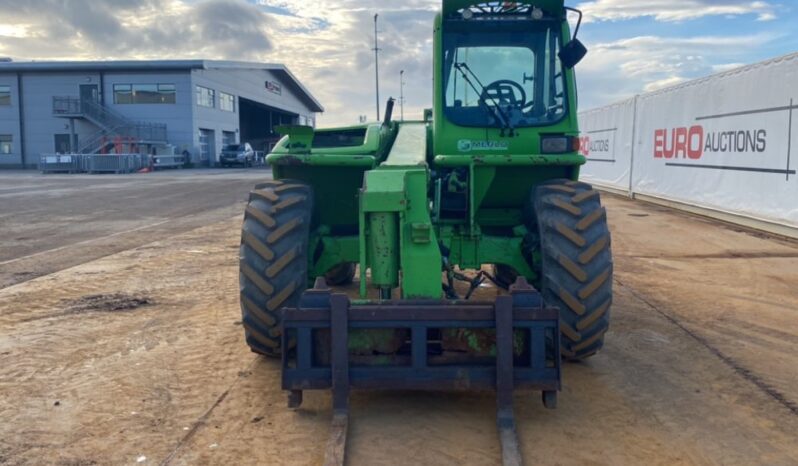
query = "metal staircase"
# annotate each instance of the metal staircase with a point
(113, 126)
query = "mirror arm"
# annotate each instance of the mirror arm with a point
(578, 22)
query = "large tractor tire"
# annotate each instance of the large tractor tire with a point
(576, 266)
(273, 259)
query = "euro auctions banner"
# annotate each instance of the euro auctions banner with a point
(606, 141)
(724, 142)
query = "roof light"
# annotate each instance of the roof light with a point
(537, 13)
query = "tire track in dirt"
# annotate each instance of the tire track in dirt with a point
(202, 421)
(745, 373)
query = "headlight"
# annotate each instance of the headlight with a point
(558, 144)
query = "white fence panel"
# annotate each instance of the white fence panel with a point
(723, 143)
(606, 141)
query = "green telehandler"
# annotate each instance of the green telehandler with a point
(488, 183)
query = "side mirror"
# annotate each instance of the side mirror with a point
(572, 53)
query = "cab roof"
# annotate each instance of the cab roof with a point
(554, 7)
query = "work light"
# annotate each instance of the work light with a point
(558, 144)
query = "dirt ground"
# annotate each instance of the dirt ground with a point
(137, 357)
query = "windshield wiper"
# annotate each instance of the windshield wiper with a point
(498, 112)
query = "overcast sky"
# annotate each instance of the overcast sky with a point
(635, 45)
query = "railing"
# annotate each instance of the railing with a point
(92, 163)
(138, 133)
(66, 106)
(95, 143)
(99, 113)
(113, 124)
(93, 110)
(58, 163)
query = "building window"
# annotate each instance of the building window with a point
(227, 102)
(206, 97)
(6, 146)
(167, 93)
(144, 93)
(5, 95)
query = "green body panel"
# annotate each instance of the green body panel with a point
(471, 252)
(378, 201)
(420, 253)
(510, 160)
(325, 160)
(410, 147)
(334, 250)
(335, 192)
(299, 140)
(395, 210)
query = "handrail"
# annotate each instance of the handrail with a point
(112, 123)
(66, 105)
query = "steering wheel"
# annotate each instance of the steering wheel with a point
(504, 92)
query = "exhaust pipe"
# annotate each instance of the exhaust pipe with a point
(389, 111)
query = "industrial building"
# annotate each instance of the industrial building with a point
(196, 106)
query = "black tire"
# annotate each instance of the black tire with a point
(341, 274)
(273, 259)
(576, 269)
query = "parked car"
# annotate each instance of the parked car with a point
(237, 154)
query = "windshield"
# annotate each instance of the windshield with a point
(233, 148)
(504, 78)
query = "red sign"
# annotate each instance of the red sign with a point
(694, 142)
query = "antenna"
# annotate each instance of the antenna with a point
(402, 93)
(377, 64)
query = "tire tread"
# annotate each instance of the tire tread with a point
(576, 268)
(273, 259)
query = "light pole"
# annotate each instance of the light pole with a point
(402, 93)
(377, 65)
